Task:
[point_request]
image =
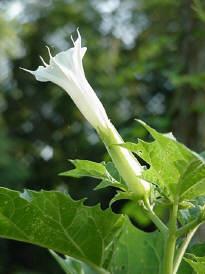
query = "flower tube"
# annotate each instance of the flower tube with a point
(66, 70)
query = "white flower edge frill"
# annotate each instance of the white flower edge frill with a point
(66, 70)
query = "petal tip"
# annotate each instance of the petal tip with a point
(71, 37)
(42, 60)
(27, 70)
(78, 41)
(78, 32)
(49, 52)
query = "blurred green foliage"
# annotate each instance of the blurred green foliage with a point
(145, 60)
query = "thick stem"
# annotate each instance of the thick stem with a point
(170, 242)
(182, 249)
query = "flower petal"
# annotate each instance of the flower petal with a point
(66, 70)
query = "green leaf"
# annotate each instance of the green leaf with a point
(192, 180)
(189, 214)
(121, 195)
(173, 167)
(73, 266)
(116, 180)
(53, 220)
(91, 239)
(197, 263)
(137, 252)
(197, 250)
(85, 168)
(193, 210)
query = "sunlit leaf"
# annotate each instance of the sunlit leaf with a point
(100, 171)
(173, 167)
(53, 220)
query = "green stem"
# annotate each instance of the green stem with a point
(155, 219)
(170, 242)
(183, 248)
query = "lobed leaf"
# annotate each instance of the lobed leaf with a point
(91, 239)
(53, 220)
(101, 171)
(177, 170)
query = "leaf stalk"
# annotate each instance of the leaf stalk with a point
(155, 219)
(182, 249)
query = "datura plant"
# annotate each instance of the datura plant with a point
(169, 193)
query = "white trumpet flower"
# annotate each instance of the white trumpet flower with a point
(66, 70)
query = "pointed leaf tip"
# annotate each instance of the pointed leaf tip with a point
(141, 122)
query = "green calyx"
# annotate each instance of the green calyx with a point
(125, 162)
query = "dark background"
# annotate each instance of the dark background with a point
(145, 59)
